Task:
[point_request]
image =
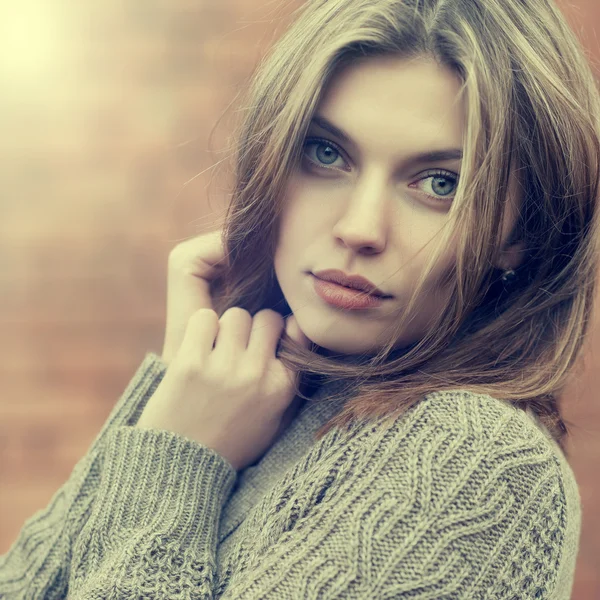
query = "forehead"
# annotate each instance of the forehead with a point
(410, 103)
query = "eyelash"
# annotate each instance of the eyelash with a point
(430, 174)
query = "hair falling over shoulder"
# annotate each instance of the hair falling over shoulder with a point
(533, 110)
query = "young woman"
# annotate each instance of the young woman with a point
(297, 439)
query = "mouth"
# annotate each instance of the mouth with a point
(353, 289)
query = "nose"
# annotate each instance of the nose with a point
(364, 223)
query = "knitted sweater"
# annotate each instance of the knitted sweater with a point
(464, 497)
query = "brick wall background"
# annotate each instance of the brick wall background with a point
(111, 115)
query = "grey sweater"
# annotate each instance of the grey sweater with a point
(464, 497)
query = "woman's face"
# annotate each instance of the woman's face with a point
(362, 203)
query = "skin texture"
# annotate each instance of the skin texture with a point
(367, 211)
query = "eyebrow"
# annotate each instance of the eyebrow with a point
(415, 159)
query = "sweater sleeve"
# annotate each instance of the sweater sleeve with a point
(37, 564)
(153, 530)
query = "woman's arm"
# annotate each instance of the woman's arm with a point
(37, 565)
(450, 504)
(153, 528)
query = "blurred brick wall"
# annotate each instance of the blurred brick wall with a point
(106, 111)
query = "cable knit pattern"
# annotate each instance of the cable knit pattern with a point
(464, 496)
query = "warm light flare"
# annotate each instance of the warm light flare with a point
(35, 43)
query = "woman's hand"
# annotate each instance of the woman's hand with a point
(224, 386)
(235, 398)
(193, 264)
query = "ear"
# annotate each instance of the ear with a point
(511, 257)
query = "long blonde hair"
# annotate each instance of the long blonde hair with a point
(533, 109)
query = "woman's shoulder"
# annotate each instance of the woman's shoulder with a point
(472, 439)
(494, 444)
(505, 433)
(471, 478)
(481, 415)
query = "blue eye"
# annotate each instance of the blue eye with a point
(324, 158)
(438, 176)
(328, 152)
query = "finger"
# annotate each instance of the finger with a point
(234, 330)
(267, 328)
(192, 265)
(204, 254)
(185, 296)
(199, 337)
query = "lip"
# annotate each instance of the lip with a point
(356, 282)
(342, 297)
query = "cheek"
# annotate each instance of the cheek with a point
(443, 274)
(287, 234)
(297, 223)
(292, 236)
(419, 245)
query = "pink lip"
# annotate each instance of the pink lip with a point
(343, 297)
(357, 282)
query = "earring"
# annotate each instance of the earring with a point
(509, 277)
